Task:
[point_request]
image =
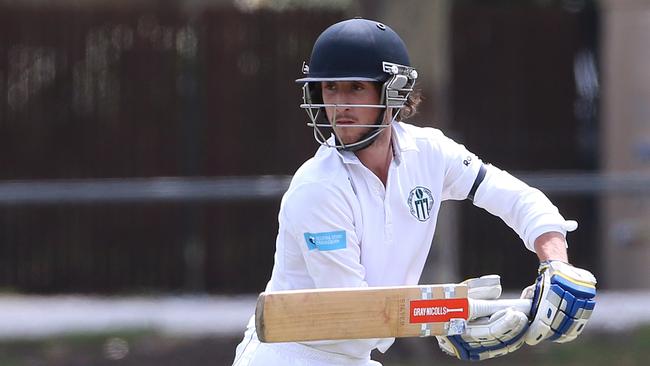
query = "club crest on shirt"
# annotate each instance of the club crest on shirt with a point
(420, 202)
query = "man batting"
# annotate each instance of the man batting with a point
(362, 212)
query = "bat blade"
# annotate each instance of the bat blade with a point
(353, 313)
(374, 312)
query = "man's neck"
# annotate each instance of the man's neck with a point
(378, 156)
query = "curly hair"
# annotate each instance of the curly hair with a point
(411, 106)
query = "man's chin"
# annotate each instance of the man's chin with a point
(351, 138)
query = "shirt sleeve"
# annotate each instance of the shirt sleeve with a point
(525, 209)
(461, 169)
(320, 221)
(321, 224)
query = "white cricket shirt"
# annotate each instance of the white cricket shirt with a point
(340, 227)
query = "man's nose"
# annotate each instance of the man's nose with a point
(341, 100)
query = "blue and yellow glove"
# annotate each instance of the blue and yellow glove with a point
(563, 300)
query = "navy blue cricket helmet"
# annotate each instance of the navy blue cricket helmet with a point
(355, 49)
(360, 50)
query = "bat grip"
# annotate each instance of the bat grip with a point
(480, 308)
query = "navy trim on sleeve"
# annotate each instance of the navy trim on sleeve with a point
(477, 182)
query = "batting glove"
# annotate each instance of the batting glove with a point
(501, 333)
(562, 302)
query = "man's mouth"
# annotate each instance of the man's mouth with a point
(344, 122)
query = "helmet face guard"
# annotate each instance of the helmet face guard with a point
(394, 94)
(357, 50)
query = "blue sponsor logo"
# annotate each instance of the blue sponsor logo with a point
(326, 241)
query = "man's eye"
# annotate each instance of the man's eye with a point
(330, 86)
(358, 87)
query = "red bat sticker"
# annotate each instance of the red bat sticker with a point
(441, 310)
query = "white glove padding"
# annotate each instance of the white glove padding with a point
(562, 302)
(487, 337)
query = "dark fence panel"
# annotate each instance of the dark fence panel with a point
(519, 102)
(147, 91)
(141, 93)
(89, 93)
(254, 123)
(93, 250)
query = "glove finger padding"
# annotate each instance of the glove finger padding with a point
(562, 302)
(486, 287)
(485, 338)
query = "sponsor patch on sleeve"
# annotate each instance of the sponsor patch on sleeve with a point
(332, 240)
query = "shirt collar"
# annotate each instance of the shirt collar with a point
(348, 157)
(401, 140)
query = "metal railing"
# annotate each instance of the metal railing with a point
(158, 189)
(165, 189)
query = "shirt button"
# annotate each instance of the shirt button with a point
(388, 234)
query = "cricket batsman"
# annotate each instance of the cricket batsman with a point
(362, 211)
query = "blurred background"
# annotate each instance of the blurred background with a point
(145, 146)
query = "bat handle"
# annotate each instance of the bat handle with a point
(480, 308)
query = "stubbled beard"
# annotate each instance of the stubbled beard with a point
(353, 134)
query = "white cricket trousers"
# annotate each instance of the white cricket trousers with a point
(252, 352)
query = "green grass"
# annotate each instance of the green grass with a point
(594, 349)
(147, 348)
(625, 349)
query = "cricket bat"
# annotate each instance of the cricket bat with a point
(372, 312)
